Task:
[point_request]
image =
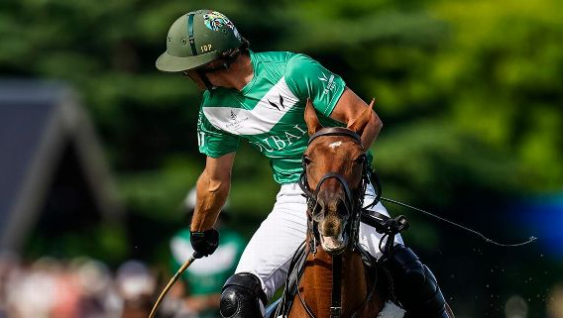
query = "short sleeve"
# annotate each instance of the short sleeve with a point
(212, 141)
(307, 78)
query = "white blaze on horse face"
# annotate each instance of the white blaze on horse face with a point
(335, 145)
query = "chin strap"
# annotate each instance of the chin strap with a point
(205, 80)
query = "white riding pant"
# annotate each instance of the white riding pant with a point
(269, 252)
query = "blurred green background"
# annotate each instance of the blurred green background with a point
(470, 93)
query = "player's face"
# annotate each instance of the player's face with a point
(214, 72)
(192, 74)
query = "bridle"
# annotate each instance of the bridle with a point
(353, 200)
(353, 203)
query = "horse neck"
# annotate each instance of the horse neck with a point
(316, 283)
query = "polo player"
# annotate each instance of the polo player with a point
(260, 97)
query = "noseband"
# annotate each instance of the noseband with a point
(353, 199)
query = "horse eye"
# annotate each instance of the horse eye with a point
(361, 159)
(307, 160)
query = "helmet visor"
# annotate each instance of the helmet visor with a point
(170, 63)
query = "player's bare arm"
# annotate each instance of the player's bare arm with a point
(348, 111)
(213, 188)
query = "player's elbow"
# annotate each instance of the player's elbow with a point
(379, 123)
(375, 122)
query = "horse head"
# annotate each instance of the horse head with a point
(335, 166)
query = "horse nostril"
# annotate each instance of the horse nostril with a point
(342, 208)
(317, 212)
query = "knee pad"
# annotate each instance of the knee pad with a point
(242, 297)
(415, 285)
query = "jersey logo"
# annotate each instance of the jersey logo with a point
(329, 83)
(281, 106)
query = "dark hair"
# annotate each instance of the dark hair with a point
(245, 45)
(232, 54)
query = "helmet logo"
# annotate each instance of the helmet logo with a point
(215, 21)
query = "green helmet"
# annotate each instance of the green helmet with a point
(196, 39)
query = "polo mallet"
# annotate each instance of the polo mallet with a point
(172, 282)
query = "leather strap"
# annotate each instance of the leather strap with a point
(296, 269)
(331, 131)
(191, 34)
(336, 304)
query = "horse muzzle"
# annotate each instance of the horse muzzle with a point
(334, 245)
(331, 235)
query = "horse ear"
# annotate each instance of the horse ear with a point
(313, 124)
(362, 120)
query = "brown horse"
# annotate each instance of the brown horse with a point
(335, 164)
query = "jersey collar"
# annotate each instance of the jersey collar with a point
(250, 84)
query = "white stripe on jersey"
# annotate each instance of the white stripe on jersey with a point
(265, 115)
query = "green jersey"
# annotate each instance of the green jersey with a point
(269, 111)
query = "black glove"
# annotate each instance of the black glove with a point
(204, 243)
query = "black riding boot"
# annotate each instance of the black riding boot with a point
(415, 286)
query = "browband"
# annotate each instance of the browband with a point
(329, 131)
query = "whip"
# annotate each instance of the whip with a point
(377, 185)
(172, 282)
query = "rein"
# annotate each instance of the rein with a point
(336, 306)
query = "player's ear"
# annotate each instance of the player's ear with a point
(362, 120)
(313, 124)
